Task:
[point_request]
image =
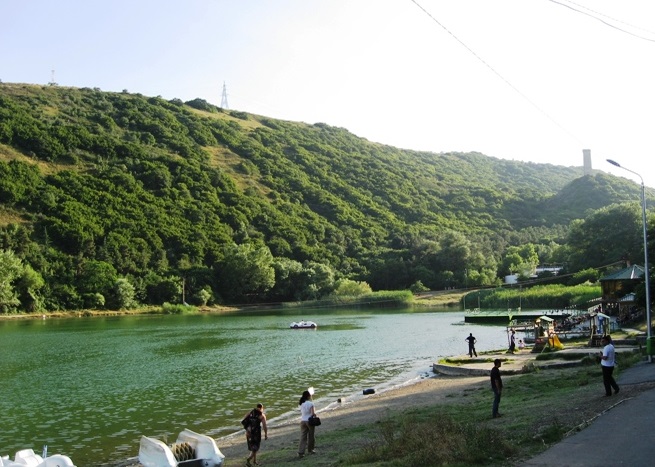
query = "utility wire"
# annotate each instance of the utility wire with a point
(603, 21)
(497, 73)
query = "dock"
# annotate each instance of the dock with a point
(525, 361)
(511, 314)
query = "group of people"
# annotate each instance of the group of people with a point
(255, 420)
(512, 344)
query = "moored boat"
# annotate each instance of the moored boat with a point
(190, 449)
(27, 457)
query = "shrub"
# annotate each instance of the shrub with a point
(178, 309)
(350, 288)
(418, 287)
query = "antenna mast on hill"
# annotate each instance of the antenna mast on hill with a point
(224, 98)
(52, 79)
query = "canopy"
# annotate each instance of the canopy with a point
(545, 318)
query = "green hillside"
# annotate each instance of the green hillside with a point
(112, 199)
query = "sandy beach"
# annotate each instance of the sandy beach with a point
(437, 389)
(427, 392)
(365, 411)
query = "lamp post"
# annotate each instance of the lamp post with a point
(646, 274)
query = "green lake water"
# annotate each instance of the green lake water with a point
(90, 387)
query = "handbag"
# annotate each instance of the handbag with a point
(314, 421)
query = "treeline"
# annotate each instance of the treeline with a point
(114, 199)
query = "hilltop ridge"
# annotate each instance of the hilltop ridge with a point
(249, 208)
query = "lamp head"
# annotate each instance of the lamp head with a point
(613, 162)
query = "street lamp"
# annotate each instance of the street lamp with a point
(646, 274)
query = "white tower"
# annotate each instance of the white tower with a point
(224, 98)
(586, 161)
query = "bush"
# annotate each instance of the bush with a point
(201, 104)
(418, 287)
(350, 288)
(586, 275)
(178, 309)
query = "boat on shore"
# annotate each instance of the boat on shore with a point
(191, 449)
(27, 457)
(303, 325)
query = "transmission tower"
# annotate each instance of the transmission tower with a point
(52, 79)
(224, 98)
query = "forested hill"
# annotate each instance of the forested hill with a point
(103, 190)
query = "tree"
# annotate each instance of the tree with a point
(522, 260)
(163, 290)
(28, 287)
(317, 280)
(11, 269)
(203, 296)
(608, 235)
(96, 276)
(123, 294)
(246, 270)
(93, 300)
(288, 273)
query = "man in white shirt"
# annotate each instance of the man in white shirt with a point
(607, 364)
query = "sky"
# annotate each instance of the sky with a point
(526, 80)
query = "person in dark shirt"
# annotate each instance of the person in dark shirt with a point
(471, 340)
(497, 387)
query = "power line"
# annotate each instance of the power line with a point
(493, 70)
(603, 21)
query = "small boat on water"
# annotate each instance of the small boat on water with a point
(303, 325)
(27, 457)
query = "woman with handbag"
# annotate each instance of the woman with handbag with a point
(306, 430)
(253, 423)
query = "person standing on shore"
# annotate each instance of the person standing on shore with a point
(497, 387)
(512, 342)
(607, 364)
(256, 420)
(471, 340)
(306, 430)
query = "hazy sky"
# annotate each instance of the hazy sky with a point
(529, 80)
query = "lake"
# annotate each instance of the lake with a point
(90, 387)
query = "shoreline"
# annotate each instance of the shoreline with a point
(367, 410)
(364, 411)
(370, 410)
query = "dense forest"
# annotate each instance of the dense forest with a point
(113, 200)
